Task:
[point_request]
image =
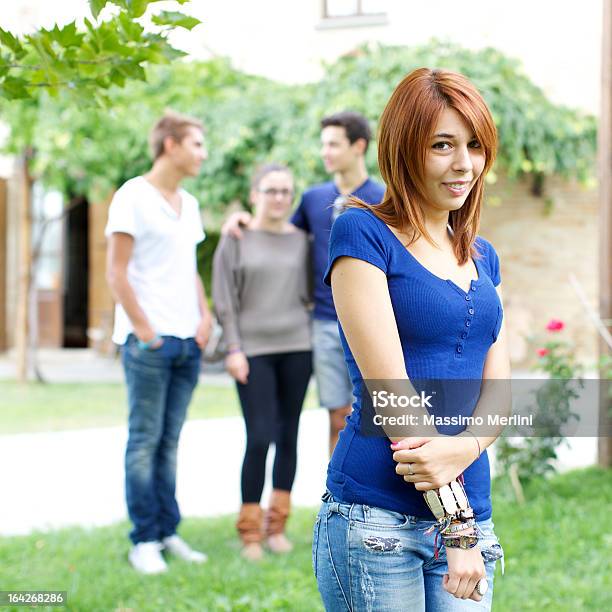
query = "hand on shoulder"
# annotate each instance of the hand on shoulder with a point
(235, 223)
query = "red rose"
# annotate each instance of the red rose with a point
(555, 325)
(543, 352)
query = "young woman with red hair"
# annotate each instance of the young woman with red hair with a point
(418, 297)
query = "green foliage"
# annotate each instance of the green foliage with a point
(175, 19)
(251, 119)
(205, 253)
(85, 64)
(536, 136)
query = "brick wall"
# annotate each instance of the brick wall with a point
(538, 251)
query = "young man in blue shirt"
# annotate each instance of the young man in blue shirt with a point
(345, 137)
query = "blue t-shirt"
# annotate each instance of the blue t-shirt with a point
(314, 215)
(445, 335)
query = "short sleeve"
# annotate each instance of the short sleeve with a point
(492, 259)
(122, 214)
(299, 218)
(356, 234)
(200, 235)
(495, 269)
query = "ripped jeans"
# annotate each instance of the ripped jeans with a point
(367, 559)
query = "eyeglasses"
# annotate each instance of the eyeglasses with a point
(272, 193)
(339, 206)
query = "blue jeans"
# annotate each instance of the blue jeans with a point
(160, 383)
(375, 560)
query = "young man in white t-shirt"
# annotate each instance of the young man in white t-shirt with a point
(162, 322)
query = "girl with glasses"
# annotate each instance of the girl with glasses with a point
(261, 296)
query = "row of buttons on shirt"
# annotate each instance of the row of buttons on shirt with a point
(468, 322)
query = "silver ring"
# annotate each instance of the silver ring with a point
(482, 586)
(410, 469)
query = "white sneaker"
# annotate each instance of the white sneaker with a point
(176, 546)
(146, 558)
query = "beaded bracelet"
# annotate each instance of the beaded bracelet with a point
(461, 541)
(448, 503)
(459, 526)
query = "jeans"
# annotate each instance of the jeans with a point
(160, 383)
(375, 560)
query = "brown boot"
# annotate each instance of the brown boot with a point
(276, 518)
(249, 526)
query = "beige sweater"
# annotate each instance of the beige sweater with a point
(261, 289)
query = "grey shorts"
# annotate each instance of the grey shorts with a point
(333, 383)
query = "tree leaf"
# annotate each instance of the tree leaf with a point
(43, 41)
(117, 78)
(96, 6)
(93, 32)
(67, 36)
(133, 71)
(92, 41)
(15, 88)
(10, 41)
(171, 54)
(176, 19)
(132, 29)
(109, 41)
(137, 8)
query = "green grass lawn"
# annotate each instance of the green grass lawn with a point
(557, 554)
(57, 406)
(92, 566)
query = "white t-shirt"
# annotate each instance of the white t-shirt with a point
(162, 270)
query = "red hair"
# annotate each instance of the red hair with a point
(405, 129)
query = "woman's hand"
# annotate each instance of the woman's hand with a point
(465, 569)
(237, 366)
(434, 462)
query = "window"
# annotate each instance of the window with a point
(347, 13)
(352, 8)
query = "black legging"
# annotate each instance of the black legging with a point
(271, 404)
